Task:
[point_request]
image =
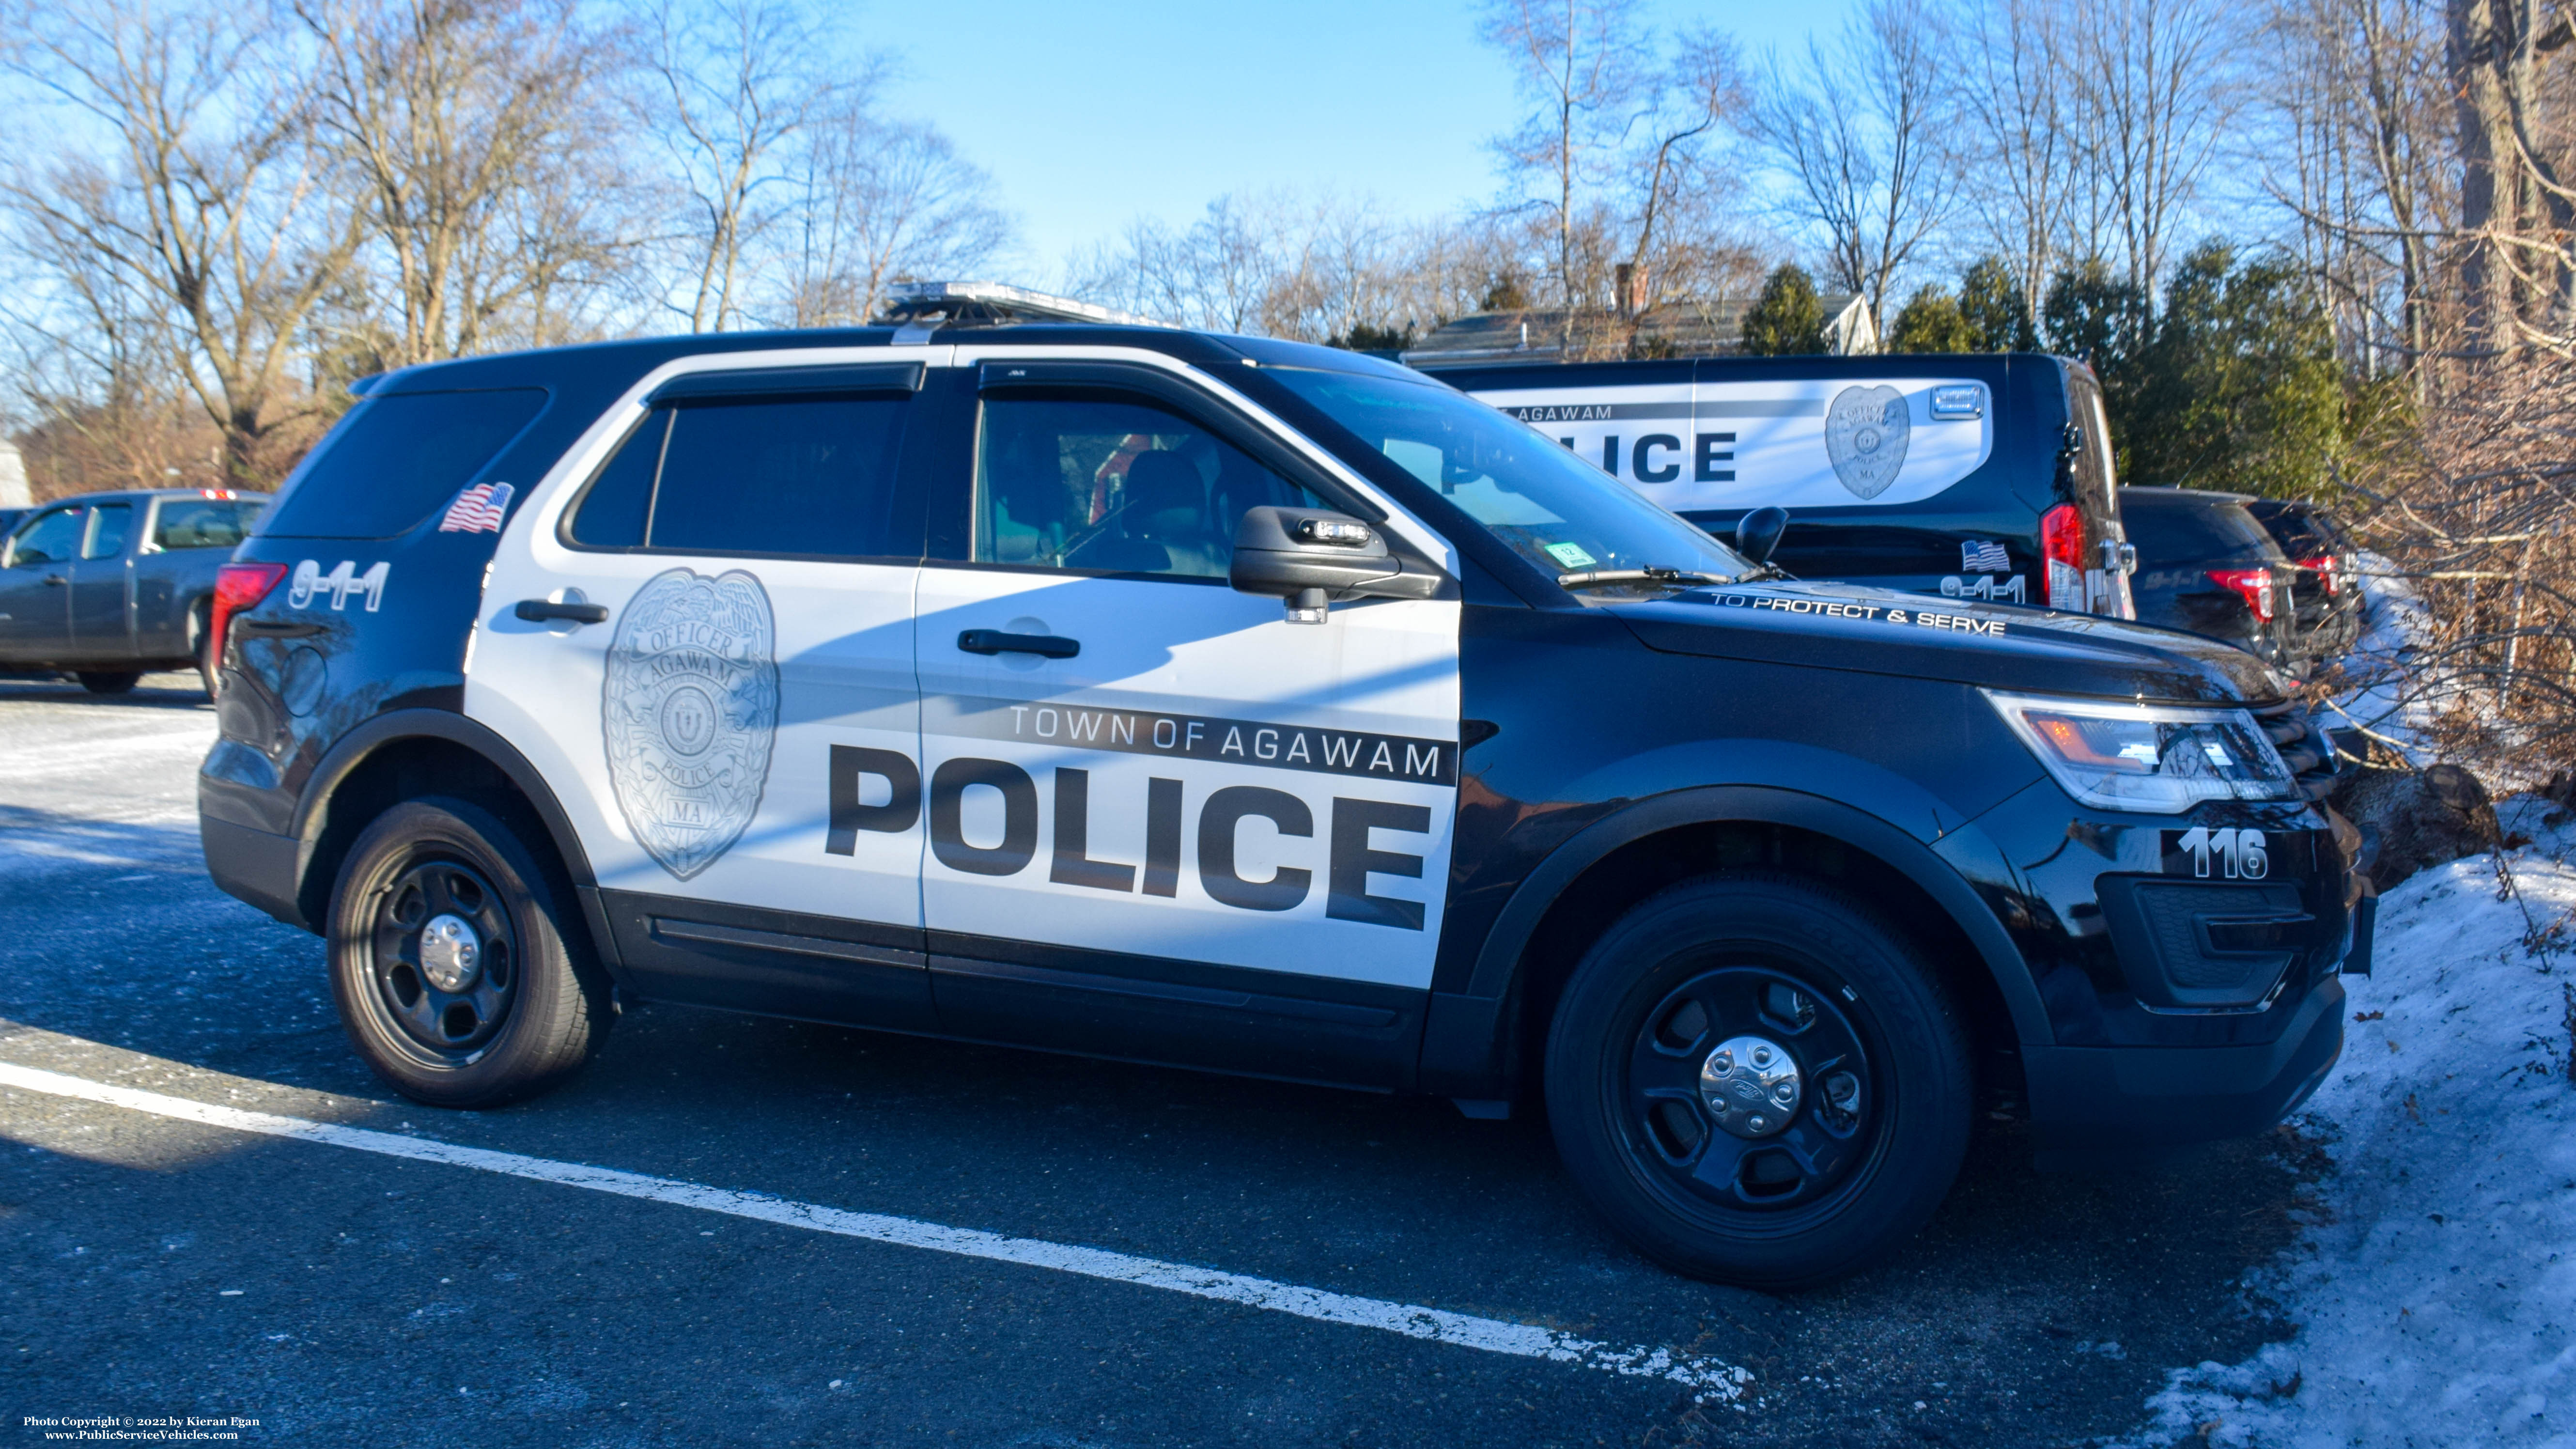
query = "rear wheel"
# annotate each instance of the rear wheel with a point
(1757, 1079)
(107, 681)
(455, 959)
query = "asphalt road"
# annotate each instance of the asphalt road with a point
(159, 1267)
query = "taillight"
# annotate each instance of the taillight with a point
(2323, 565)
(2254, 586)
(239, 586)
(2061, 547)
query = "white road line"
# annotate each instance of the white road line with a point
(1707, 1379)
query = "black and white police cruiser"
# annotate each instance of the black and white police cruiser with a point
(1017, 676)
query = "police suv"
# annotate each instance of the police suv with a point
(1969, 475)
(1253, 707)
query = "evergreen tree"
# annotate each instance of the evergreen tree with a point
(1997, 313)
(1505, 295)
(1787, 320)
(1931, 322)
(2095, 317)
(2238, 387)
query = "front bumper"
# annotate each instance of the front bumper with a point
(2088, 1101)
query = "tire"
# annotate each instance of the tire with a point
(114, 681)
(1788, 1197)
(529, 1009)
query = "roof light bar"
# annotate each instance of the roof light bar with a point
(994, 302)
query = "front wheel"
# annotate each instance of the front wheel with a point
(456, 961)
(1759, 1080)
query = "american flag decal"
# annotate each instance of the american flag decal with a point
(1976, 556)
(477, 510)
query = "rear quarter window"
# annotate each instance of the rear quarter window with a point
(396, 458)
(2167, 533)
(185, 523)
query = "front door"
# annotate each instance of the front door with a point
(35, 584)
(101, 582)
(1164, 820)
(734, 742)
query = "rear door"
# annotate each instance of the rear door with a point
(102, 585)
(1165, 821)
(35, 583)
(734, 741)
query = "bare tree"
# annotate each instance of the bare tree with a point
(2150, 103)
(2011, 91)
(734, 82)
(468, 129)
(1581, 64)
(876, 201)
(2357, 152)
(199, 245)
(1855, 132)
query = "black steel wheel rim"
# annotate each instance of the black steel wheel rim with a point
(1670, 1131)
(449, 1027)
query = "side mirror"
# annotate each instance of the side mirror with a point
(1312, 556)
(1758, 533)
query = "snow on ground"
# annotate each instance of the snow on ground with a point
(2436, 1289)
(88, 786)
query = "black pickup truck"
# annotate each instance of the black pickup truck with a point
(109, 585)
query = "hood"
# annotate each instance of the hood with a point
(1919, 636)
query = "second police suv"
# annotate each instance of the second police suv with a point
(1256, 707)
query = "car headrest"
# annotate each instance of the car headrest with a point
(1164, 494)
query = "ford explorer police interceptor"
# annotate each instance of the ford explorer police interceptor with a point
(1254, 707)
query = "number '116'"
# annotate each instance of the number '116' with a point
(2239, 852)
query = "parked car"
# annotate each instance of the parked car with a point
(1971, 476)
(1252, 707)
(108, 586)
(2330, 600)
(2205, 565)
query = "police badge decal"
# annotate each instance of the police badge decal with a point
(689, 712)
(1865, 431)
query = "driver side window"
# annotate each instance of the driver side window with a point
(1112, 485)
(48, 538)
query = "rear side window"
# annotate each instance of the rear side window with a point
(203, 522)
(394, 459)
(2191, 532)
(804, 475)
(109, 524)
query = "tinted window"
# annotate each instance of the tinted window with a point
(810, 475)
(203, 522)
(2188, 531)
(2302, 534)
(109, 523)
(612, 511)
(1113, 485)
(395, 459)
(48, 537)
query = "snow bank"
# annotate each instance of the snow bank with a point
(2436, 1289)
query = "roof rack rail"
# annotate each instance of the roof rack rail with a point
(931, 304)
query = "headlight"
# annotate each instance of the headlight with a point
(2160, 759)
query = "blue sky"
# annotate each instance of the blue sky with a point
(1089, 115)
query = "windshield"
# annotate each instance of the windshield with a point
(1552, 508)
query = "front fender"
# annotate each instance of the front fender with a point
(1466, 1041)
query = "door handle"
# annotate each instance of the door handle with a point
(547, 611)
(994, 641)
(55, 581)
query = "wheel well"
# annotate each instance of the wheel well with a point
(406, 769)
(1639, 869)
